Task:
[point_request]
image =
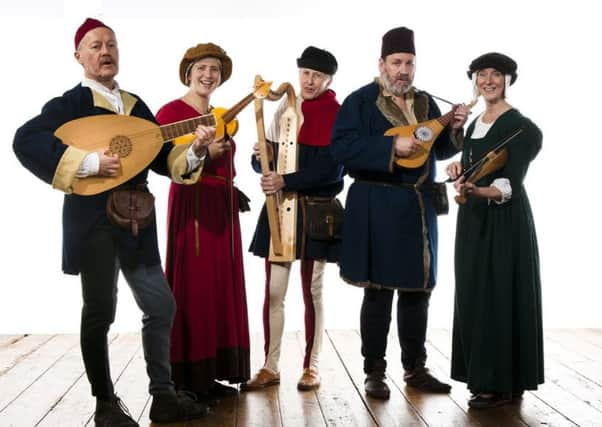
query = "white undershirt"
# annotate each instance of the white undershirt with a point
(502, 184)
(481, 128)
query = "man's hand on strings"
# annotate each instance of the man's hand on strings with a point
(405, 146)
(272, 183)
(460, 116)
(109, 164)
(454, 170)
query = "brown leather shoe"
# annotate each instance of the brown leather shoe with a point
(310, 380)
(262, 379)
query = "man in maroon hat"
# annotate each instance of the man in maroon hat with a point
(95, 248)
(390, 228)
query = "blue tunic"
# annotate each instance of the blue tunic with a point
(390, 231)
(40, 151)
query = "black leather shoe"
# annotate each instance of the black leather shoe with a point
(421, 379)
(170, 408)
(376, 387)
(207, 399)
(489, 400)
(113, 414)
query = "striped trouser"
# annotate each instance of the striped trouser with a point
(276, 284)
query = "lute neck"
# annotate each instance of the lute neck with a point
(446, 118)
(184, 127)
(237, 108)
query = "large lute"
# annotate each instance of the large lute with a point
(136, 141)
(281, 207)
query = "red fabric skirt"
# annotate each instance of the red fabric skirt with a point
(204, 266)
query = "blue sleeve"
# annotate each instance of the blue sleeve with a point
(35, 145)
(256, 164)
(356, 143)
(322, 170)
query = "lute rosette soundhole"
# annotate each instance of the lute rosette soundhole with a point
(121, 146)
(423, 133)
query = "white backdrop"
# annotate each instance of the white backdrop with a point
(558, 87)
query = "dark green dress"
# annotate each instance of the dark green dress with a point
(497, 335)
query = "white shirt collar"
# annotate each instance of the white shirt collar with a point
(112, 96)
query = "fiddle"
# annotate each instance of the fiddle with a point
(489, 163)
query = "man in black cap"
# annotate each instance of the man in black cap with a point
(317, 177)
(390, 228)
(95, 248)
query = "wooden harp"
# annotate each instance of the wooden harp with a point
(281, 207)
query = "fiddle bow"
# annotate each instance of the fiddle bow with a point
(489, 163)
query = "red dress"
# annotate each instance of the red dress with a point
(204, 267)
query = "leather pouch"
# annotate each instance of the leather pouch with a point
(132, 209)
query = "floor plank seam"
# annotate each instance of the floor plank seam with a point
(362, 397)
(38, 377)
(148, 402)
(134, 354)
(566, 417)
(13, 341)
(26, 355)
(54, 405)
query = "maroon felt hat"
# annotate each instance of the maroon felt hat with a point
(88, 25)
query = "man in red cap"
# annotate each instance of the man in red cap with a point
(95, 248)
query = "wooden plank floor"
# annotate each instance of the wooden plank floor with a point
(42, 382)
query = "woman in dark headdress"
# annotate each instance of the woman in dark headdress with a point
(497, 336)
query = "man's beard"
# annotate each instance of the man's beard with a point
(390, 86)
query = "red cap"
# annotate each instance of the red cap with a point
(88, 25)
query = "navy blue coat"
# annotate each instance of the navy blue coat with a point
(40, 151)
(389, 236)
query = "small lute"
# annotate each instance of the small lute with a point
(427, 133)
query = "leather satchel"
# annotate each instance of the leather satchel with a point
(132, 209)
(440, 201)
(324, 218)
